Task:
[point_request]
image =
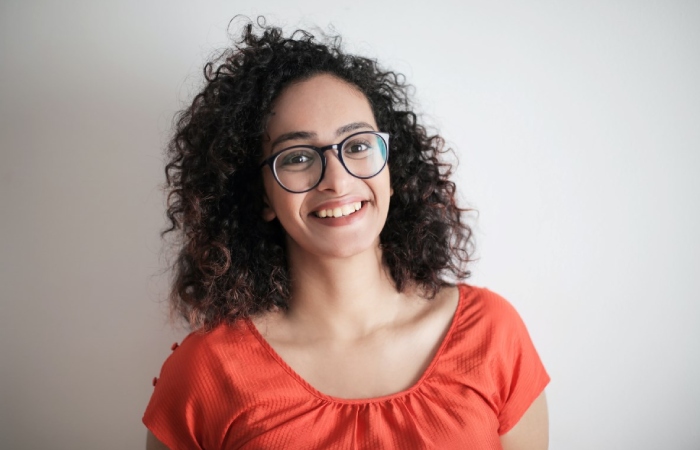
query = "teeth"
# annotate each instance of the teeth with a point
(344, 210)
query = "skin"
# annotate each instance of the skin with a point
(315, 109)
(347, 331)
(532, 430)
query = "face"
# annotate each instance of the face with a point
(320, 111)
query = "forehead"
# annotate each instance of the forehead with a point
(320, 105)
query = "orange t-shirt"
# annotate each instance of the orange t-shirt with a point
(228, 389)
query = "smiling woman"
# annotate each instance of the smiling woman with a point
(314, 111)
(319, 236)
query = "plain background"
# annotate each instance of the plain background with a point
(577, 127)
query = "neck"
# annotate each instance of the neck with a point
(347, 297)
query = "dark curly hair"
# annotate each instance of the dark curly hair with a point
(232, 263)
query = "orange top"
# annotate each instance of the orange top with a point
(228, 389)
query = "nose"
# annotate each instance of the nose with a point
(336, 178)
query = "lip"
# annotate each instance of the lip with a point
(339, 221)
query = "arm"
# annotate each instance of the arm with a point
(152, 442)
(532, 431)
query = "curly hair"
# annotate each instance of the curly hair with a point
(233, 264)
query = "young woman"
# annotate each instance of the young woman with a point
(319, 234)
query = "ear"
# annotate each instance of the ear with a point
(268, 214)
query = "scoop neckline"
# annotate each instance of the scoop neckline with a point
(364, 401)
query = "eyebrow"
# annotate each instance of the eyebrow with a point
(294, 135)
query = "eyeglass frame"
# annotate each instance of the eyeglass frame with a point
(270, 160)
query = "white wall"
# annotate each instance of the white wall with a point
(576, 124)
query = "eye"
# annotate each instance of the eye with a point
(358, 148)
(295, 160)
(298, 158)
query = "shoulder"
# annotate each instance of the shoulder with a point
(493, 321)
(208, 351)
(202, 377)
(484, 327)
(488, 322)
(509, 369)
(490, 337)
(483, 307)
(222, 360)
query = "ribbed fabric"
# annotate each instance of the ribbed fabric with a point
(228, 389)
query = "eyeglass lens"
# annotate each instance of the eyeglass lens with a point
(300, 168)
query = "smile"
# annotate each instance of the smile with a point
(340, 211)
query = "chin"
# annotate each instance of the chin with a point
(335, 251)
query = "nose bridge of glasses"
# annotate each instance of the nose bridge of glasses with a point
(339, 164)
(325, 148)
(322, 151)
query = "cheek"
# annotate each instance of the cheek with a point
(284, 206)
(269, 198)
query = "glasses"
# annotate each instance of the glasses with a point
(301, 168)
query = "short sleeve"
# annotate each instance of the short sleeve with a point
(184, 395)
(519, 373)
(173, 411)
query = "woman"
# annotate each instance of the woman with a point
(319, 231)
